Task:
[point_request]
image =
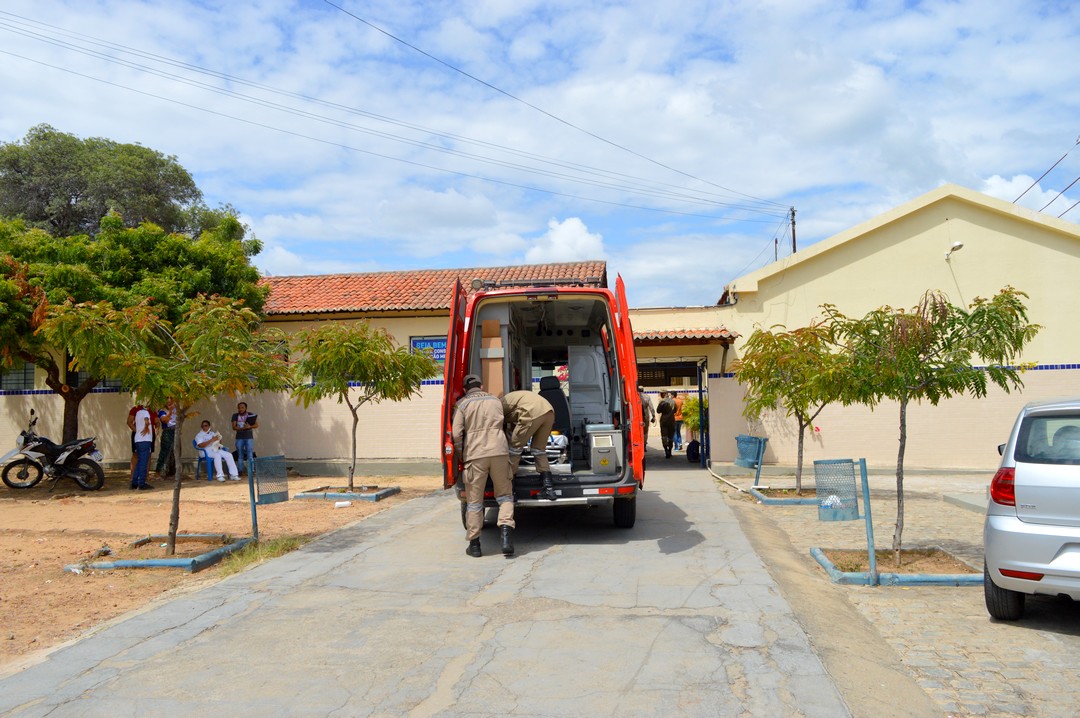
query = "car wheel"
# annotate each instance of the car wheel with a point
(1001, 603)
(625, 512)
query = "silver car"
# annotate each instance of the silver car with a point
(1032, 531)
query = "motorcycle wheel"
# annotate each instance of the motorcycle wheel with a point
(21, 474)
(88, 475)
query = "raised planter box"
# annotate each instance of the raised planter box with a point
(772, 501)
(191, 564)
(363, 493)
(863, 578)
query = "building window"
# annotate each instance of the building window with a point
(75, 378)
(674, 374)
(19, 378)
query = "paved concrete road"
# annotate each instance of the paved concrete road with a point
(676, 617)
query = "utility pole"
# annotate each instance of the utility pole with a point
(793, 230)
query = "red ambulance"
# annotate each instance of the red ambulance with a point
(570, 340)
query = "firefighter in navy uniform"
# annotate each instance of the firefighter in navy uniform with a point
(481, 443)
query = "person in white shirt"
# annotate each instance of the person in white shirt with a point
(143, 442)
(210, 441)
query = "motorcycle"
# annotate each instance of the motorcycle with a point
(78, 460)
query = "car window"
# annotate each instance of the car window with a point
(1049, 440)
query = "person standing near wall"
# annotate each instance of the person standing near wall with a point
(242, 423)
(648, 414)
(167, 420)
(479, 439)
(132, 427)
(143, 443)
(679, 399)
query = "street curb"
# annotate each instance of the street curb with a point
(862, 578)
(192, 565)
(762, 498)
(350, 496)
(970, 502)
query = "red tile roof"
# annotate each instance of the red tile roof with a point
(676, 336)
(408, 290)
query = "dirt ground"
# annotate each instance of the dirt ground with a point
(911, 561)
(42, 606)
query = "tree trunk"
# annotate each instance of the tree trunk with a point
(799, 459)
(174, 514)
(352, 466)
(72, 396)
(898, 533)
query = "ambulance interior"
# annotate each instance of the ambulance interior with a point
(561, 346)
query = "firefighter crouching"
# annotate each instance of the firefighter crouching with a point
(532, 417)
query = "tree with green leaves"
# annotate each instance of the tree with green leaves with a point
(929, 353)
(356, 364)
(65, 185)
(217, 347)
(123, 266)
(796, 371)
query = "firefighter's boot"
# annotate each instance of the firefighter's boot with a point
(507, 540)
(547, 488)
(474, 548)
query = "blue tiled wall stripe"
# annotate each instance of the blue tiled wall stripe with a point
(1038, 367)
(439, 382)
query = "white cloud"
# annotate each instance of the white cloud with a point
(843, 111)
(1034, 196)
(566, 241)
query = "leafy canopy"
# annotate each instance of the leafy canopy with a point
(65, 185)
(61, 183)
(936, 349)
(356, 364)
(798, 371)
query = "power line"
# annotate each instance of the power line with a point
(1048, 171)
(372, 153)
(1059, 194)
(543, 111)
(637, 185)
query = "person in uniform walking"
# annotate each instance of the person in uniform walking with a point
(666, 410)
(531, 417)
(648, 414)
(480, 441)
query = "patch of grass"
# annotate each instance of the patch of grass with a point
(255, 553)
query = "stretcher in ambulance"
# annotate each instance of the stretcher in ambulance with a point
(571, 342)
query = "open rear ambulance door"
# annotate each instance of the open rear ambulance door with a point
(624, 348)
(453, 375)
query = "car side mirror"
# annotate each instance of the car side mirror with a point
(1001, 449)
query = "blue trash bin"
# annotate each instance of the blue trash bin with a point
(751, 449)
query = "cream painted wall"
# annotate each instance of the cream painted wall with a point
(408, 429)
(893, 260)
(958, 433)
(896, 263)
(664, 318)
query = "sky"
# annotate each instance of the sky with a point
(670, 139)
